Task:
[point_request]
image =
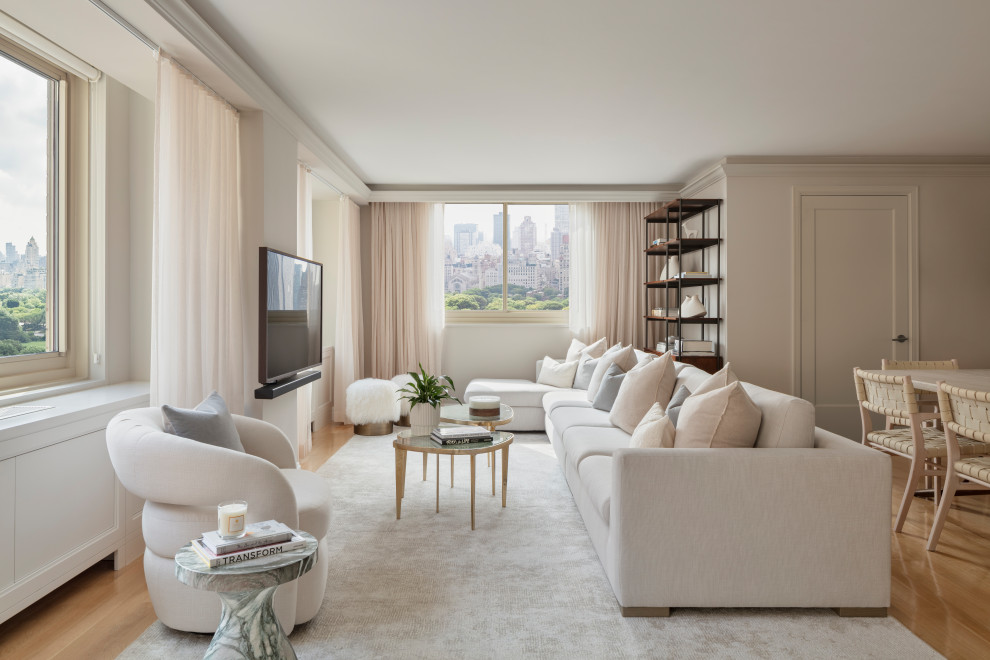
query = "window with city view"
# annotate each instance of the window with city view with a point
(506, 257)
(28, 102)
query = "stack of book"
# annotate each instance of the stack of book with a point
(688, 274)
(460, 435)
(260, 540)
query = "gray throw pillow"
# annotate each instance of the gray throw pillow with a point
(676, 401)
(210, 423)
(584, 373)
(609, 389)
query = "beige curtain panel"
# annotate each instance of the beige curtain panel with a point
(197, 327)
(349, 328)
(608, 244)
(406, 300)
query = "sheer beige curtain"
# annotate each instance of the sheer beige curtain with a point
(304, 248)
(607, 255)
(349, 335)
(197, 340)
(407, 312)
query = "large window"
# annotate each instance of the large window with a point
(33, 184)
(507, 258)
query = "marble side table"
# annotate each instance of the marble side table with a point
(248, 627)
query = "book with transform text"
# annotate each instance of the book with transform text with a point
(256, 534)
(213, 560)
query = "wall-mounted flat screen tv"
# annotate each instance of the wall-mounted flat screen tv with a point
(290, 329)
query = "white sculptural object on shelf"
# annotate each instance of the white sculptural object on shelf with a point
(692, 308)
(671, 269)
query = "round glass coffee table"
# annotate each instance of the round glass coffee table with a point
(406, 442)
(461, 414)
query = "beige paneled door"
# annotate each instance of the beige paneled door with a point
(855, 270)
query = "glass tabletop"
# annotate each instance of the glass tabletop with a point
(461, 413)
(406, 440)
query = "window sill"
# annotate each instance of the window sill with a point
(560, 318)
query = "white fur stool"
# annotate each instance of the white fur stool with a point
(401, 381)
(372, 405)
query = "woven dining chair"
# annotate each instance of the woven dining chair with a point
(927, 400)
(895, 397)
(966, 419)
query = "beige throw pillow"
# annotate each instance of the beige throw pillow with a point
(557, 374)
(717, 380)
(623, 357)
(725, 417)
(646, 383)
(654, 430)
(578, 350)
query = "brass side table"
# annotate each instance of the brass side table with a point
(406, 442)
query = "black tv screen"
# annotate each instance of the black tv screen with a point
(290, 331)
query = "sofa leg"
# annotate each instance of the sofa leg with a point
(645, 611)
(861, 611)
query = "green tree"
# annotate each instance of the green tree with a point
(10, 328)
(495, 304)
(12, 303)
(461, 301)
(10, 347)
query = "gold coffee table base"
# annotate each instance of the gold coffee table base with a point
(461, 414)
(406, 442)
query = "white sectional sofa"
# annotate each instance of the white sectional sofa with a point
(800, 520)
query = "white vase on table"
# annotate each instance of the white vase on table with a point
(423, 418)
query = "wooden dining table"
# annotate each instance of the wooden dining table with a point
(926, 379)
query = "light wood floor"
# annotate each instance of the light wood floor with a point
(943, 597)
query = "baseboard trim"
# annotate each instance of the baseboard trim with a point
(645, 611)
(861, 611)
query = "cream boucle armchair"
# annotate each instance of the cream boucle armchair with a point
(183, 480)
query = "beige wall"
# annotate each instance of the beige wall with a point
(954, 230)
(141, 180)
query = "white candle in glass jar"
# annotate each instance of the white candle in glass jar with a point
(231, 519)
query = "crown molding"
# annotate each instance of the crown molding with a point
(707, 177)
(191, 25)
(499, 194)
(950, 166)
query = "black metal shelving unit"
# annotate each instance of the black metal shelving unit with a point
(674, 214)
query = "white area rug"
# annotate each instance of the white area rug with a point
(525, 584)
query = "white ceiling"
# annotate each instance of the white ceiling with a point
(618, 92)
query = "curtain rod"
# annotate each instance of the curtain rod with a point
(309, 170)
(143, 38)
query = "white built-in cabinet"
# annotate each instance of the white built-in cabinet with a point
(61, 507)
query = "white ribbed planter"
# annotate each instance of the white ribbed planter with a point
(424, 418)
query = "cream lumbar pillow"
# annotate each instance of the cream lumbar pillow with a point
(717, 380)
(623, 357)
(654, 430)
(580, 351)
(725, 417)
(645, 384)
(557, 374)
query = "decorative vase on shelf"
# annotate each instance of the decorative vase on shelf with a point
(423, 418)
(693, 308)
(671, 269)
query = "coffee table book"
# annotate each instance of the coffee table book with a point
(213, 560)
(256, 534)
(460, 435)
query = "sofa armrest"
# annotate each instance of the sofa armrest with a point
(751, 527)
(265, 440)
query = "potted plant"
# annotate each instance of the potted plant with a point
(430, 391)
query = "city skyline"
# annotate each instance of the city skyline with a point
(24, 156)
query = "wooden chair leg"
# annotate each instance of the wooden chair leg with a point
(936, 482)
(917, 468)
(951, 483)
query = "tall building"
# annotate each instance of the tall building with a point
(497, 230)
(561, 217)
(31, 252)
(465, 235)
(527, 236)
(11, 254)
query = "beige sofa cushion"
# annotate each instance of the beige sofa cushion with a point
(646, 383)
(557, 374)
(725, 417)
(654, 431)
(719, 379)
(578, 350)
(624, 357)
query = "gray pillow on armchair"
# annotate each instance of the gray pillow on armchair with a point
(210, 422)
